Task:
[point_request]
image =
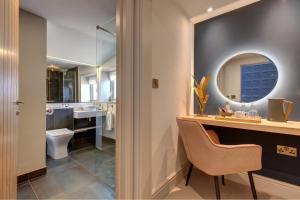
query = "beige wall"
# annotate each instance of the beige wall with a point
(32, 90)
(229, 79)
(171, 65)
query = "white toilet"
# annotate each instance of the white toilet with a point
(57, 142)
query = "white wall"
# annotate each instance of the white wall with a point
(32, 90)
(171, 65)
(70, 44)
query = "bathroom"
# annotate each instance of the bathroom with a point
(68, 116)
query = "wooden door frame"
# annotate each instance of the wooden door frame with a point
(134, 64)
(9, 47)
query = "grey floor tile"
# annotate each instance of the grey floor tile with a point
(106, 172)
(54, 166)
(25, 191)
(110, 148)
(109, 145)
(86, 174)
(89, 155)
(94, 190)
(92, 160)
(100, 164)
(70, 179)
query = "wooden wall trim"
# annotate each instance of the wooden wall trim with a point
(9, 41)
(125, 112)
(31, 175)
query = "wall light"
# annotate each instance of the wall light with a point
(210, 9)
(70, 61)
(54, 68)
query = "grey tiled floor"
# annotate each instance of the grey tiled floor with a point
(86, 174)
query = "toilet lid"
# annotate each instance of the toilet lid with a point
(59, 132)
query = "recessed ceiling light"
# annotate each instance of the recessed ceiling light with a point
(210, 9)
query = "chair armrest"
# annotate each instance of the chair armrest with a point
(231, 159)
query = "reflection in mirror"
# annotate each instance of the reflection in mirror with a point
(75, 82)
(247, 77)
(54, 84)
(81, 84)
(66, 83)
(107, 86)
(87, 78)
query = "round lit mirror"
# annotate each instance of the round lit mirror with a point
(247, 77)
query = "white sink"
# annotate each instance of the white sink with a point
(87, 113)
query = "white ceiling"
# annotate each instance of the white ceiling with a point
(193, 8)
(71, 29)
(84, 15)
(81, 15)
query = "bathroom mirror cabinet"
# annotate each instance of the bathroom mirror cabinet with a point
(247, 77)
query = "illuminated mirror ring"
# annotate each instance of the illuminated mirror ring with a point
(247, 78)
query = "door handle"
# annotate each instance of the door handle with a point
(19, 102)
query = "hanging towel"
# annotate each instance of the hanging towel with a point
(109, 121)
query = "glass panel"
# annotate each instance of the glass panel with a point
(106, 79)
(106, 91)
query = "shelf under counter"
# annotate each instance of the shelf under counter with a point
(86, 129)
(287, 128)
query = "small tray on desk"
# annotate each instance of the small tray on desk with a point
(236, 119)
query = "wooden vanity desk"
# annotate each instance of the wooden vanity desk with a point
(288, 128)
(267, 134)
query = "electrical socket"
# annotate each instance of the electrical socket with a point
(288, 151)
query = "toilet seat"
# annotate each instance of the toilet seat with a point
(59, 132)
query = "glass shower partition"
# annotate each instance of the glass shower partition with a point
(106, 83)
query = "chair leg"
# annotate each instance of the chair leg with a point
(252, 185)
(217, 188)
(223, 180)
(189, 174)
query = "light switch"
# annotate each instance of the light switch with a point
(155, 83)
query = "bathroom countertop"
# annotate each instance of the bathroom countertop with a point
(67, 105)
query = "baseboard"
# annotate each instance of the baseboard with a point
(31, 175)
(163, 191)
(268, 185)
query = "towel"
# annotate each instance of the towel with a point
(109, 121)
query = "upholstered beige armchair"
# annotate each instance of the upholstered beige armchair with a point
(205, 152)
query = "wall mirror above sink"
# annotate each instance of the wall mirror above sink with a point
(67, 83)
(247, 77)
(70, 81)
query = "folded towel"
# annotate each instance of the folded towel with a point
(109, 121)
